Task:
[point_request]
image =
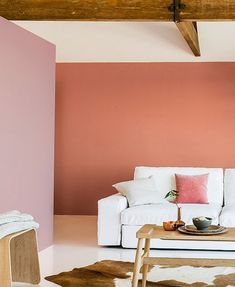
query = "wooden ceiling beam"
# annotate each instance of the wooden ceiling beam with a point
(86, 10)
(208, 10)
(189, 32)
(116, 10)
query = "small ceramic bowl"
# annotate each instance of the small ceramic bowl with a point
(169, 225)
(202, 222)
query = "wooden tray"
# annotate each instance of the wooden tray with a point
(212, 230)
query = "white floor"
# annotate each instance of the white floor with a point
(75, 246)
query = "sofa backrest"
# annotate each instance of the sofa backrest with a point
(229, 186)
(165, 177)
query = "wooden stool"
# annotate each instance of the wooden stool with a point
(19, 258)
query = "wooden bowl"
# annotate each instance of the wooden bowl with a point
(169, 225)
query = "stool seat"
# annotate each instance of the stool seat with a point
(19, 258)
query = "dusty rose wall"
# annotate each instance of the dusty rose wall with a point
(112, 117)
(27, 80)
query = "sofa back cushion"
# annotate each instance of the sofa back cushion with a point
(165, 179)
(229, 187)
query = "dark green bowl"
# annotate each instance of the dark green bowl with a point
(202, 224)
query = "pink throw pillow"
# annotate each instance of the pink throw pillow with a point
(191, 188)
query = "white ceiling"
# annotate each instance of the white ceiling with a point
(134, 41)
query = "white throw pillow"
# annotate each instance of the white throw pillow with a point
(139, 191)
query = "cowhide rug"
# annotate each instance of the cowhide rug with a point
(109, 273)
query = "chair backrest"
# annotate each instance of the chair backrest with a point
(165, 179)
(229, 186)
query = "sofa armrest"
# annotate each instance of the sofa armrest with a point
(109, 219)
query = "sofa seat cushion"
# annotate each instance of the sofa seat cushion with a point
(157, 213)
(227, 217)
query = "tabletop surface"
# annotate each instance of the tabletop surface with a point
(157, 232)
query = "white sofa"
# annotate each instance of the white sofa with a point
(118, 223)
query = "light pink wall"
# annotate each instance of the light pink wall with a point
(112, 117)
(27, 76)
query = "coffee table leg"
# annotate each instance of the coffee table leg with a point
(137, 264)
(145, 266)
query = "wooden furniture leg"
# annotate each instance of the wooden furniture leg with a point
(19, 259)
(145, 266)
(5, 263)
(138, 263)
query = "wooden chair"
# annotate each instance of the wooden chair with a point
(19, 258)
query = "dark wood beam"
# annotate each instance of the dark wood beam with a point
(208, 10)
(116, 10)
(87, 10)
(189, 32)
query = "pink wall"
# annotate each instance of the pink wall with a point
(112, 117)
(27, 77)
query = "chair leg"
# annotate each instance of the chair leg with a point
(24, 258)
(5, 263)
